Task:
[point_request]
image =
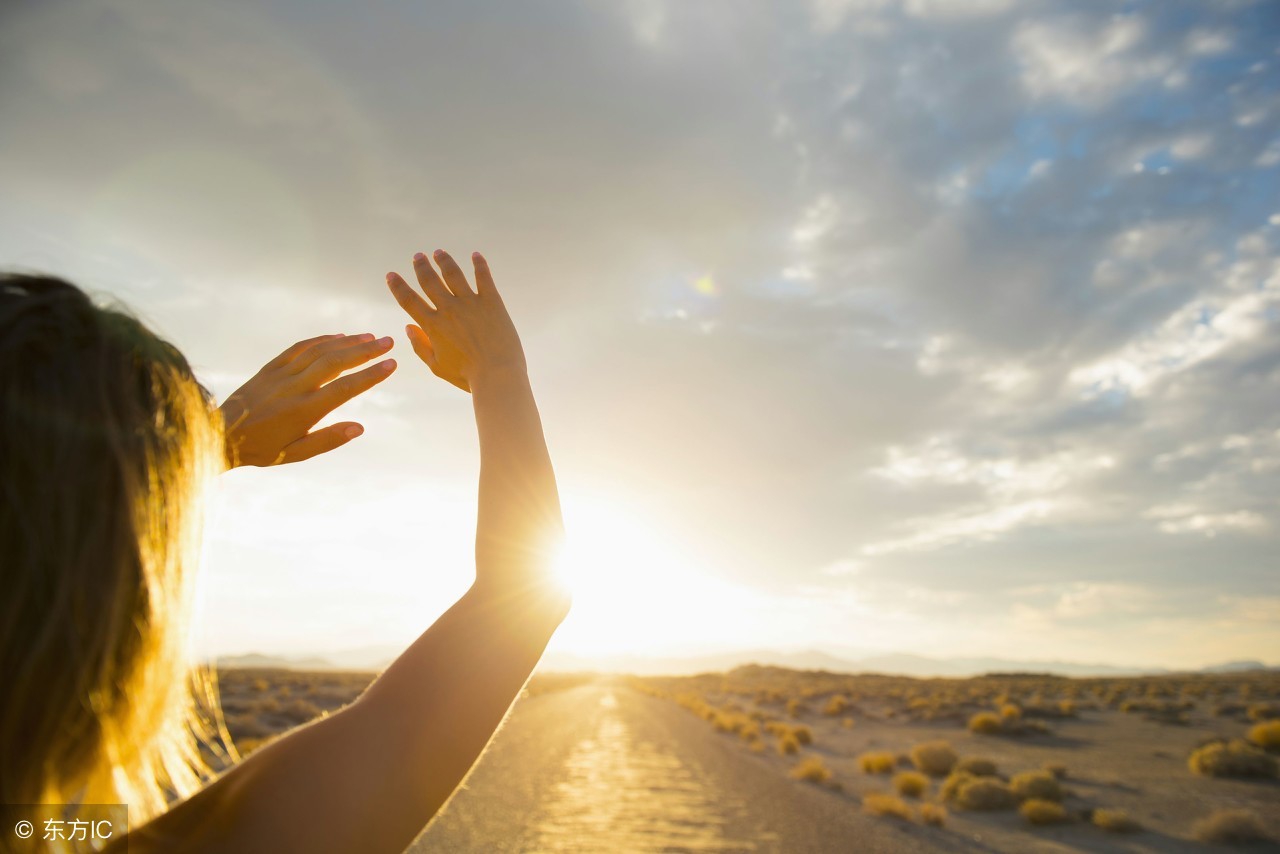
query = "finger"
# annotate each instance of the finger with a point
(319, 351)
(335, 362)
(421, 344)
(409, 299)
(298, 349)
(453, 275)
(430, 281)
(484, 278)
(343, 389)
(320, 442)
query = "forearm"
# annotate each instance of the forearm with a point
(370, 777)
(518, 527)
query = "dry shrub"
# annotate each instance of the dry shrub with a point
(1266, 735)
(1229, 826)
(1115, 821)
(913, 784)
(977, 766)
(301, 710)
(979, 793)
(847, 723)
(1036, 785)
(1057, 769)
(788, 745)
(796, 708)
(877, 762)
(1037, 811)
(1263, 712)
(1234, 758)
(803, 734)
(985, 723)
(951, 786)
(878, 803)
(812, 770)
(836, 706)
(756, 745)
(1010, 713)
(935, 758)
(933, 814)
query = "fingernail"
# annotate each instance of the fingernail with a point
(353, 431)
(476, 256)
(439, 253)
(388, 365)
(418, 256)
(385, 341)
(391, 277)
(365, 336)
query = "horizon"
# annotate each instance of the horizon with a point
(804, 659)
(914, 328)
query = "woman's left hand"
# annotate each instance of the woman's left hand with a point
(268, 418)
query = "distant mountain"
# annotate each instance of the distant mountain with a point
(852, 661)
(254, 659)
(898, 664)
(1236, 667)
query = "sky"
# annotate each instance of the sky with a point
(865, 325)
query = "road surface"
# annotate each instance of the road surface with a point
(602, 768)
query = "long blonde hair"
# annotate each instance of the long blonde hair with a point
(107, 443)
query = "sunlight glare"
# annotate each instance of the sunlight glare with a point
(635, 591)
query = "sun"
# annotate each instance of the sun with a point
(635, 589)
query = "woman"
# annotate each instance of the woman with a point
(106, 443)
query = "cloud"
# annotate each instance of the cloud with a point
(937, 300)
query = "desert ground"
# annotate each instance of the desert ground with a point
(774, 760)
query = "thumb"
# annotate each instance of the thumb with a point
(421, 344)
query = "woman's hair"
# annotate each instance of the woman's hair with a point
(107, 443)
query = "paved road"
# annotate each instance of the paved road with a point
(601, 768)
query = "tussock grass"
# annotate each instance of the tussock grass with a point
(1037, 811)
(803, 734)
(933, 814)
(836, 706)
(1234, 758)
(877, 762)
(1036, 785)
(811, 769)
(1264, 712)
(978, 793)
(1230, 826)
(1266, 735)
(890, 806)
(986, 723)
(787, 745)
(1115, 821)
(977, 766)
(935, 758)
(912, 784)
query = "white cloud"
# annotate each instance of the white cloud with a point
(1087, 64)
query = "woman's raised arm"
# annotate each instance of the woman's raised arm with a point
(369, 777)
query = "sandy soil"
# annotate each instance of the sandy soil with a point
(603, 767)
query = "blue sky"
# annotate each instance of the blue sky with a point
(928, 326)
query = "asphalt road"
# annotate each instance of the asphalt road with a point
(601, 768)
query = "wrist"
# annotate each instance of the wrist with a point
(499, 378)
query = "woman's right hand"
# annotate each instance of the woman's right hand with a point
(462, 334)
